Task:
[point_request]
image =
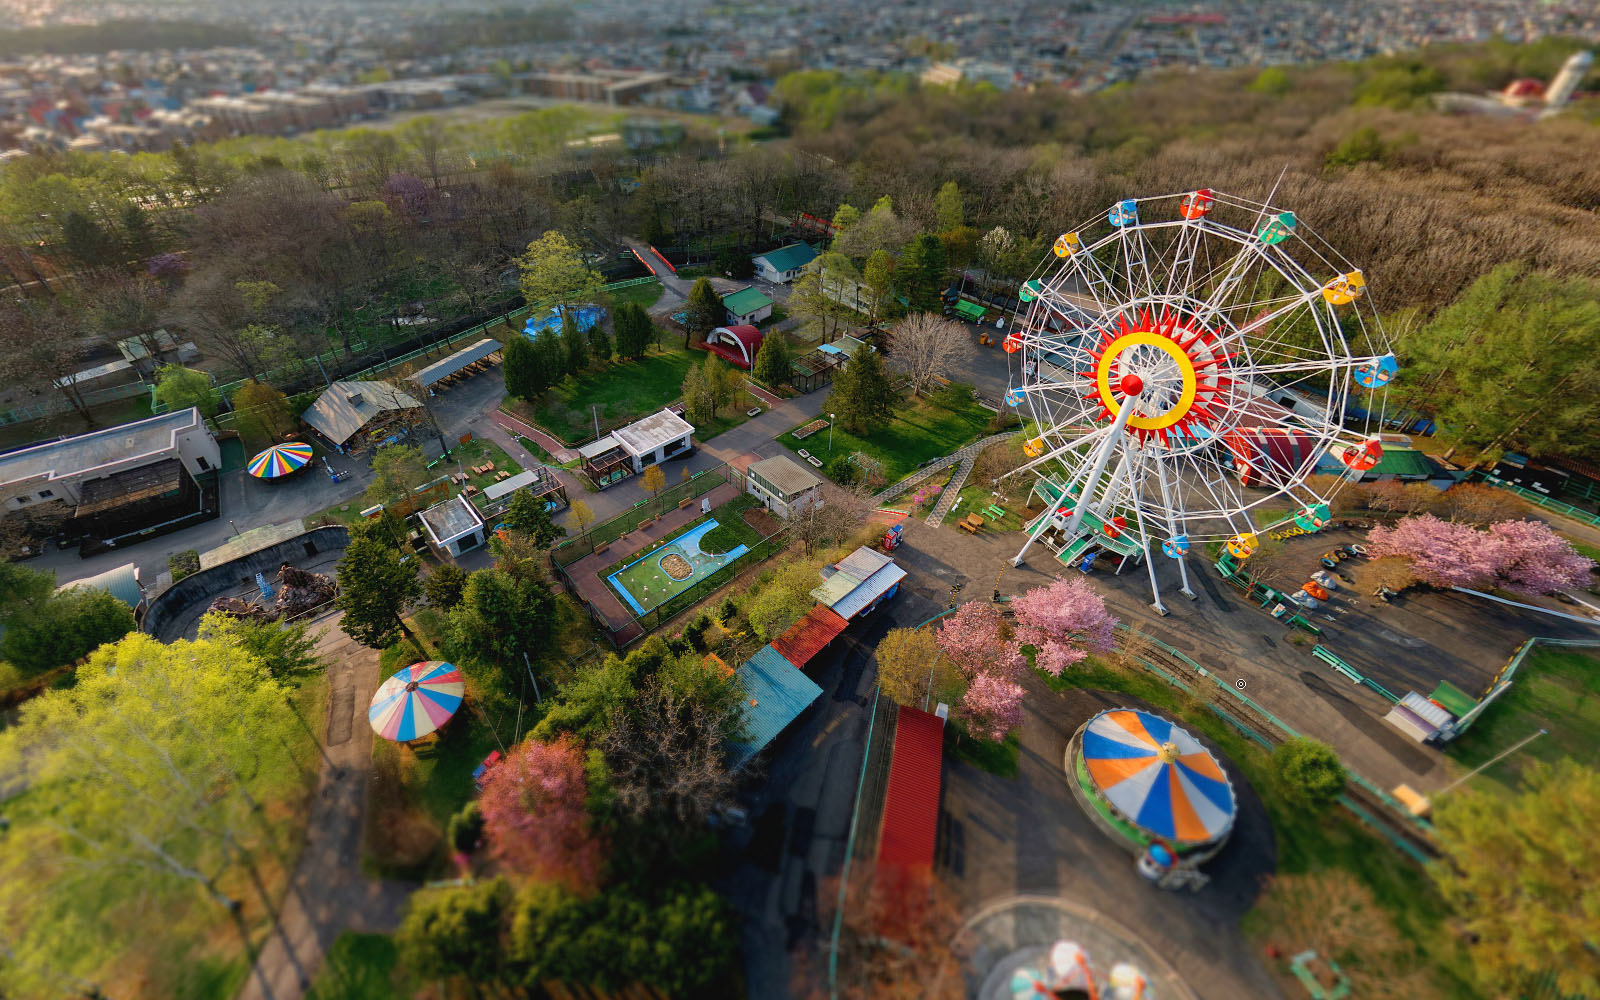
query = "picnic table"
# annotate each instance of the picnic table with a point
(971, 523)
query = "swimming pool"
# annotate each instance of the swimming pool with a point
(646, 584)
(587, 317)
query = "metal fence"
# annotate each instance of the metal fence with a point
(1548, 503)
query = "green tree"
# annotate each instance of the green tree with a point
(632, 327)
(575, 347)
(531, 516)
(1273, 81)
(86, 240)
(444, 586)
(554, 273)
(705, 312)
(178, 388)
(1309, 772)
(699, 403)
(782, 602)
(773, 364)
(1516, 870)
(599, 343)
(155, 775)
(63, 628)
(878, 276)
(23, 589)
(288, 650)
(397, 471)
(453, 934)
(921, 273)
(862, 395)
(525, 377)
(263, 412)
(1364, 145)
(376, 584)
(910, 668)
(947, 207)
(1489, 364)
(501, 617)
(550, 357)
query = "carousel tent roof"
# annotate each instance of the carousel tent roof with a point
(1158, 776)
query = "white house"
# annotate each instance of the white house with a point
(746, 307)
(454, 526)
(785, 263)
(629, 450)
(783, 485)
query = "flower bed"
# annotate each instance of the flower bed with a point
(810, 429)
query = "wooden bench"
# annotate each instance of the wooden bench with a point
(684, 504)
(602, 547)
(970, 528)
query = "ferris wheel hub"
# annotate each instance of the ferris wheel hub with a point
(1131, 384)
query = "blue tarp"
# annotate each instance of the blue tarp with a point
(775, 692)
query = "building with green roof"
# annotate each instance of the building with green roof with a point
(746, 307)
(785, 263)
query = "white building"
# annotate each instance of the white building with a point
(454, 527)
(629, 450)
(59, 470)
(783, 485)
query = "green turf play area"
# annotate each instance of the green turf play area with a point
(661, 574)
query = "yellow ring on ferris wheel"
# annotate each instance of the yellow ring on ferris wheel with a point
(1179, 409)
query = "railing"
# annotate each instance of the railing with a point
(1548, 503)
(1351, 672)
(1502, 680)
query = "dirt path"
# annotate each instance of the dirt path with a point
(329, 893)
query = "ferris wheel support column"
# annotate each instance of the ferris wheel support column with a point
(1100, 460)
(1150, 565)
(1172, 530)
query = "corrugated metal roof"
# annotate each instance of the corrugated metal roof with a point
(862, 563)
(806, 637)
(835, 589)
(745, 301)
(775, 692)
(788, 258)
(879, 584)
(455, 362)
(911, 806)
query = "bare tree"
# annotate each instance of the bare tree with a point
(840, 512)
(665, 751)
(923, 346)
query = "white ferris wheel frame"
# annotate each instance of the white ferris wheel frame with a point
(1129, 275)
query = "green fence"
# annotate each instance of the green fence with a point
(1502, 680)
(1548, 503)
(570, 551)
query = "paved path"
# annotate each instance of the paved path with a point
(557, 450)
(329, 894)
(952, 491)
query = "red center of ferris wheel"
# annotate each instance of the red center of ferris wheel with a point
(1131, 385)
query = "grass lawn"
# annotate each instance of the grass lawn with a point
(730, 416)
(644, 295)
(1555, 689)
(1306, 842)
(478, 451)
(921, 430)
(976, 496)
(623, 391)
(360, 967)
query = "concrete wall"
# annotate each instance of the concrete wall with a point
(174, 611)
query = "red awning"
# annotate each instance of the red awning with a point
(911, 807)
(806, 637)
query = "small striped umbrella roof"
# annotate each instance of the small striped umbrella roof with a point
(417, 700)
(280, 460)
(1158, 776)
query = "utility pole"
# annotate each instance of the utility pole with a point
(1502, 755)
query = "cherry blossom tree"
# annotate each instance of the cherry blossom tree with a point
(1062, 621)
(1442, 553)
(974, 638)
(1523, 556)
(1537, 560)
(535, 814)
(992, 706)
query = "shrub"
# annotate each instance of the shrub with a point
(466, 828)
(695, 632)
(445, 586)
(183, 564)
(843, 471)
(1309, 772)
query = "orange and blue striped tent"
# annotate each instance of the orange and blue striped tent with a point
(1158, 776)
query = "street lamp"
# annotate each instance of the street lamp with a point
(831, 417)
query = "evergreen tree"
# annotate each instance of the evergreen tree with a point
(550, 357)
(633, 330)
(375, 585)
(444, 586)
(921, 273)
(947, 207)
(531, 516)
(705, 312)
(599, 343)
(525, 377)
(502, 616)
(577, 350)
(862, 395)
(773, 364)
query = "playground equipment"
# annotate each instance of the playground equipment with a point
(891, 538)
(1178, 340)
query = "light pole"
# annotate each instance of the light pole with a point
(831, 418)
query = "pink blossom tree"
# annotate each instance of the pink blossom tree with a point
(1441, 553)
(1063, 621)
(992, 706)
(1523, 556)
(1537, 560)
(535, 813)
(974, 638)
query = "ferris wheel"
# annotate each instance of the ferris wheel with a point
(1188, 362)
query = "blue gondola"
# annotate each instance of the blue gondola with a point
(1176, 547)
(1379, 373)
(1014, 397)
(1124, 213)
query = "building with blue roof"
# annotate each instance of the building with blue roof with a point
(775, 693)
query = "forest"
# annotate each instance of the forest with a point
(261, 250)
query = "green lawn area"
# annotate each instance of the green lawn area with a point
(647, 579)
(1307, 842)
(644, 295)
(478, 451)
(360, 967)
(977, 496)
(921, 429)
(1555, 689)
(623, 391)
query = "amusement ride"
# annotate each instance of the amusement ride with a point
(1187, 361)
